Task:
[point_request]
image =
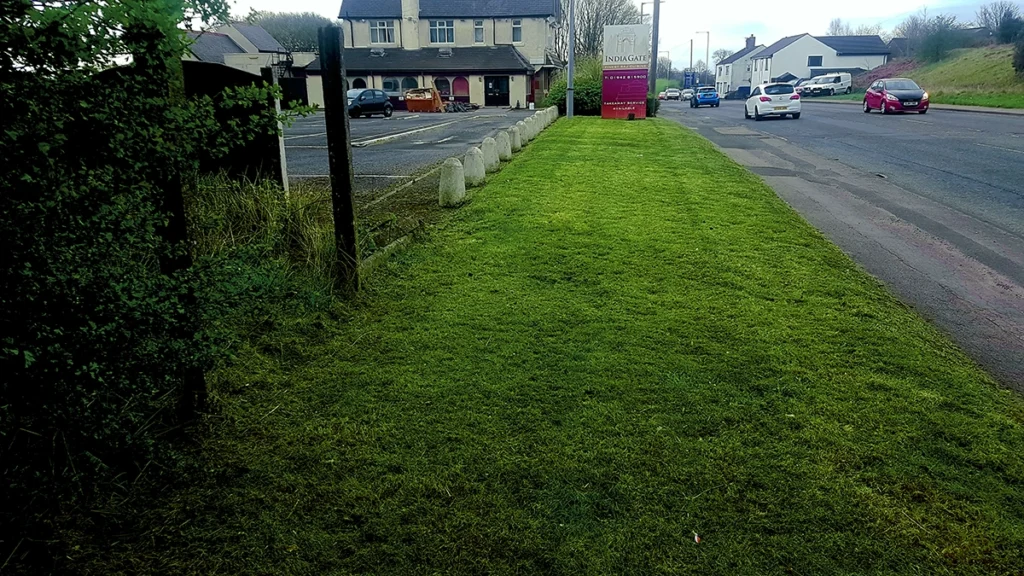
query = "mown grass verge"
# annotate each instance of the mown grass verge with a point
(624, 341)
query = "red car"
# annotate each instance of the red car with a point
(896, 95)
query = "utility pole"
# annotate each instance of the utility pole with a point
(707, 58)
(653, 78)
(690, 69)
(569, 101)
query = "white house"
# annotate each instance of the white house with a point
(806, 56)
(733, 73)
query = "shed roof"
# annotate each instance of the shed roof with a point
(465, 60)
(259, 37)
(451, 8)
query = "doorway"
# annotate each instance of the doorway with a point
(496, 91)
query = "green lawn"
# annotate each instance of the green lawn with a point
(623, 340)
(662, 84)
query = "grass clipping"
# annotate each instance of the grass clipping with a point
(625, 356)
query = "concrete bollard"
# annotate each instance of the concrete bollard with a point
(452, 189)
(504, 146)
(524, 134)
(490, 150)
(474, 167)
(531, 130)
(516, 138)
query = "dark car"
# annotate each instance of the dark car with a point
(896, 95)
(367, 102)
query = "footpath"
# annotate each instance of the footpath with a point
(625, 355)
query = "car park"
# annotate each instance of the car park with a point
(777, 99)
(673, 94)
(896, 95)
(707, 96)
(830, 85)
(367, 102)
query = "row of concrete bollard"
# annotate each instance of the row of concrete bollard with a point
(456, 176)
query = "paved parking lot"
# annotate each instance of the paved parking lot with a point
(392, 150)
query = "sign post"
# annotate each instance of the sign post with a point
(627, 62)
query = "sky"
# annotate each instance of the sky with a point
(729, 22)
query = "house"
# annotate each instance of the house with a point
(242, 46)
(733, 73)
(899, 48)
(491, 53)
(806, 56)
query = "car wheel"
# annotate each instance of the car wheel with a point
(849, 90)
(831, 91)
(757, 115)
(746, 115)
(353, 114)
(867, 109)
(388, 111)
(796, 116)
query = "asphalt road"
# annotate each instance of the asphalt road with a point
(933, 205)
(393, 150)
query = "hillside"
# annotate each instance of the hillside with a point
(973, 77)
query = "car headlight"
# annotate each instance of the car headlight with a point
(925, 97)
(350, 101)
(891, 98)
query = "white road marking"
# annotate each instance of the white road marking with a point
(305, 136)
(1000, 148)
(379, 176)
(300, 146)
(443, 140)
(372, 141)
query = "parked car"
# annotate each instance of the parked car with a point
(801, 85)
(662, 95)
(707, 96)
(896, 95)
(673, 94)
(366, 102)
(778, 99)
(687, 94)
(831, 84)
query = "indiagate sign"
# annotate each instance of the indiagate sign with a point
(627, 59)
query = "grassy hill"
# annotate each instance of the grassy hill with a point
(971, 77)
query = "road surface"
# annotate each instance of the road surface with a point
(392, 150)
(933, 205)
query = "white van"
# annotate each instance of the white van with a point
(830, 84)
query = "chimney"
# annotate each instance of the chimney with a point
(751, 42)
(410, 24)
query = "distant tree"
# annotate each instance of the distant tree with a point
(700, 67)
(296, 31)
(721, 54)
(1010, 29)
(868, 30)
(914, 29)
(839, 28)
(664, 67)
(992, 15)
(942, 34)
(591, 18)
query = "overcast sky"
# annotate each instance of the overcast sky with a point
(729, 21)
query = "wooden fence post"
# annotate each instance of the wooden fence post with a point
(339, 154)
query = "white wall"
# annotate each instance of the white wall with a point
(793, 59)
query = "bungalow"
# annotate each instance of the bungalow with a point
(806, 56)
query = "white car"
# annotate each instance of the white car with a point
(687, 95)
(777, 99)
(830, 85)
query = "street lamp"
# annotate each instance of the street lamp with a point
(642, 4)
(652, 75)
(707, 59)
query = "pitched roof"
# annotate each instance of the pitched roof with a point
(259, 37)
(739, 55)
(211, 46)
(451, 8)
(466, 60)
(771, 50)
(855, 45)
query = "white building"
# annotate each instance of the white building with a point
(806, 56)
(733, 73)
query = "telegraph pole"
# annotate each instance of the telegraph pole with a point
(572, 60)
(690, 69)
(653, 77)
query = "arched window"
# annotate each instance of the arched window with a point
(443, 86)
(460, 87)
(391, 85)
(358, 83)
(408, 83)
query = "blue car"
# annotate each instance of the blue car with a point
(705, 97)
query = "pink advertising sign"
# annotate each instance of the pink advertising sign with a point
(624, 92)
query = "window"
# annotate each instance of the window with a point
(478, 31)
(443, 86)
(728, 69)
(409, 83)
(390, 84)
(517, 30)
(382, 32)
(442, 31)
(358, 83)
(814, 61)
(756, 92)
(779, 89)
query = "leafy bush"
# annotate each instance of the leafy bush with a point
(1011, 29)
(653, 105)
(942, 35)
(587, 91)
(1018, 58)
